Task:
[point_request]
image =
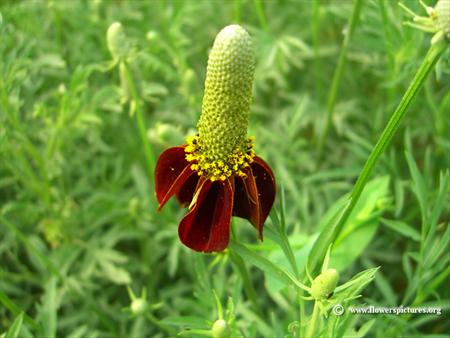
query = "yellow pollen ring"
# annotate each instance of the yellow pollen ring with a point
(219, 170)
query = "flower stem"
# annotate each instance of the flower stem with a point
(261, 15)
(327, 237)
(162, 326)
(245, 275)
(149, 156)
(315, 27)
(332, 94)
(312, 323)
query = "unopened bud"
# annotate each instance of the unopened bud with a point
(324, 284)
(139, 306)
(221, 329)
(117, 41)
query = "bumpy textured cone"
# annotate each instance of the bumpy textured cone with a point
(228, 94)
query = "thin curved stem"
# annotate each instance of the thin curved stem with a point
(327, 237)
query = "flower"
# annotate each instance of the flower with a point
(216, 173)
(437, 21)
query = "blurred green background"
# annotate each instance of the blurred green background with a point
(78, 220)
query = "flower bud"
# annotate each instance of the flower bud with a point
(324, 284)
(151, 35)
(117, 41)
(139, 306)
(221, 329)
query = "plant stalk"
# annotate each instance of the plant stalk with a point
(312, 324)
(149, 155)
(332, 94)
(327, 237)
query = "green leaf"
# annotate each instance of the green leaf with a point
(190, 321)
(301, 246)
(14, 330)
(355, 285)
(365, 328)
(261, 262)
(362, 224)
(48, 310)
(420, 187)
(402, 228)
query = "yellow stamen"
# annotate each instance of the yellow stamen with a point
(219, 170)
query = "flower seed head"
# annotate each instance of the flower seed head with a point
(324, 284)
(228, 94)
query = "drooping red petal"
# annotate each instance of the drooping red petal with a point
(265, 184)
(186, 192)
(171, 172)
(206, 227)
(246, 200)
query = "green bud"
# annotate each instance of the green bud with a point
(117, 41)
(221, 329)
(228, 94)
(324, 284)
(139, 306)
(151, 35)
(442, 11)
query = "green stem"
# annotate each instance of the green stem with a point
(245, 275)
(301, 311)
(316, 46)
(149, 156)
(327, 237)
(163, 327)
(332, 94)
(15, 310)
(237, 11)
(312, 323)
(261, 15)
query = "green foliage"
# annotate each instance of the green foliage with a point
(80, 132)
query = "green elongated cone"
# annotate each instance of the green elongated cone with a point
(228, 94)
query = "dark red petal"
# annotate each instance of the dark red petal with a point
(171, 172)
(246, 200)
(265, 184)
(186, 192)
(207, 225)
